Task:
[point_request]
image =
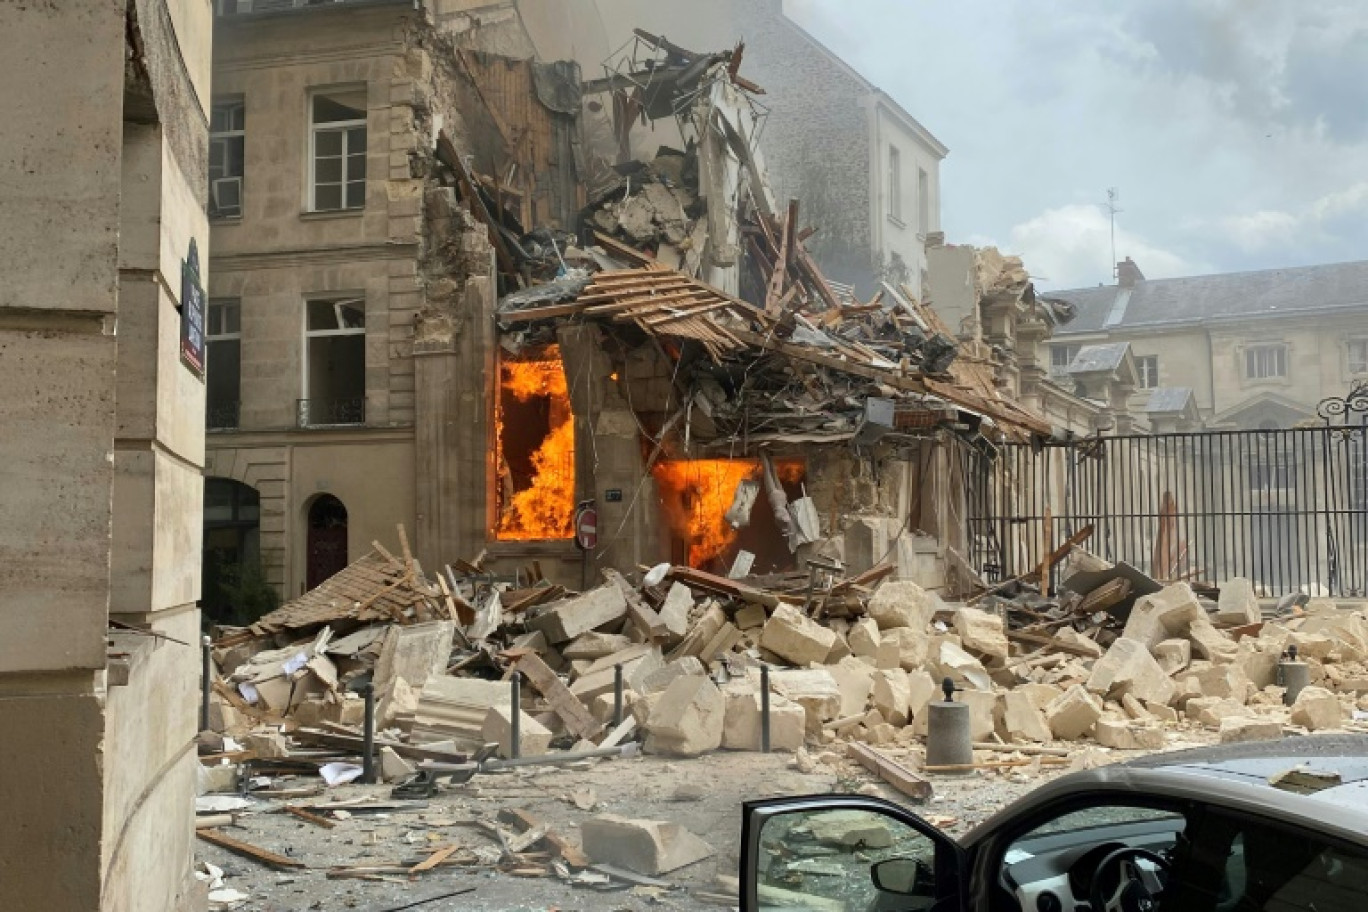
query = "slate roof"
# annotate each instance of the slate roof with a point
(1168, 399)
(1098, 358)
(1212, 298)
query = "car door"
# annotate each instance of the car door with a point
(843, 853)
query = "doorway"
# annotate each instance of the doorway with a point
(327, 540)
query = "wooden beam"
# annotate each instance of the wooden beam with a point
(803, 353)
(577, 718)
(247, 850)
(449, 156)
(890, 771)
(310, 817)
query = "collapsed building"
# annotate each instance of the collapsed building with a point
(495, 322)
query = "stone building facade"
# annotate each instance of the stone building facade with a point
(103, 195)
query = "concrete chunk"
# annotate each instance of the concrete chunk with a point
(912, 645)
(1210, 643)
(1128, 667)
(1163, 615)
(674, 611)
(795, 637)
(662, 678)
(649, 847)
(1237, 605)
(394, 767)
(1173, 655)
(981, 632)
(533, 737)
(864, 637)
(1074, 638)
(813, 689)
(595, 645)
(567, 619)
(688, 718)
(953, 662)
(902, 603)
(1022, 720)
(1212, 711)
(855, 680)
(741, 726)
(891, 695)
(1125, 735)
(1316, 709)
(1073, 713)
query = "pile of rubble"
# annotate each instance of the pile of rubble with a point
(855, 660)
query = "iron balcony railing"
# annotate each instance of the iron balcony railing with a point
(314, 413)
(222, 416)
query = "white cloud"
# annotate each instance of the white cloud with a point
(1272, 228)
(1070, 247)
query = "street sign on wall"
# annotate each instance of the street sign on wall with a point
(586, 527)
(192, 313)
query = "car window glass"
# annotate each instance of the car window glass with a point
(841, 860)
(1256, 867)
(1056, 864)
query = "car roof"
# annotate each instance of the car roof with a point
(1236, 776)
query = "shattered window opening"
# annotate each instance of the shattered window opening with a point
(334, 362)
(337, 160)
(227, 143)
(534, 449)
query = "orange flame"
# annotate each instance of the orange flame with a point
(545, 509)
(696, 493)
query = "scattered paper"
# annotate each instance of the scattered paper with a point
(249, 692)
(340, 773)
(294, 663)
(220, 804)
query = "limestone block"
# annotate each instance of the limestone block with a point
(1316, 709)
(661, 678)
(1259, 666)
(891, 695)
(864, 637)
(1125, 735)
(813, 689)
(882, 733)
(650, 847)
(850, 829)
(981, 632)
(1073, 713)
(1135, 708)
(1173, 655)
(741, 719)
(902, 603)
(953, 662)
(674, 611)
(856, 680)
(1312, 645)
(567, 619)
(1040, 694)
(594, 645)
(533, 737)
(1210, 711)
(795, 637)
(922, 688)
(913, 646)
(1210, 643)
(983, 712)
(1164, 614)
(889, 654)
(1237, 605)
(749, 617)
(1023, 720)
(394, 767)
(1162, 713)
(840, 649)
(1128, 667)
(1236, 729)
(1220, 681)
(638, 662)
(1074, 638)
(688, 719)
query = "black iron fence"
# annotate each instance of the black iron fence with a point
(1287, 509)
(329, 412)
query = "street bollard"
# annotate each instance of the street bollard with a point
(617, 695)
(515, 723)
(764, 710)
(1293, 675)
(368, 736)
(949, 736)
(206, 655)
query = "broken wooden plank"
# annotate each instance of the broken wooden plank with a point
(643, 616)
(890, 771)
(576, 716)
(247, 850)
(1108, 595)
(309, 817)
(436, 858)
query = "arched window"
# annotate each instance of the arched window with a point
(327, 543)
(233, 589)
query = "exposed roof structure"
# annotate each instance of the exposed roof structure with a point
(1214, 298)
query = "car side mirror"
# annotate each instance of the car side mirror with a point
(905, 876)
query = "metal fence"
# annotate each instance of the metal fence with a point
(1287, 509)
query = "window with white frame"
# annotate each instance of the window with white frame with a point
(223, 364)
(894, 183)
(334, 362)
(227, 143)
(1357, 353)
(1061, 356)
(1264, 362)
(337, 160)
(1147, 368)
(923, 202)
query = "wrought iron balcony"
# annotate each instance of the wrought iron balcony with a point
(222, 416)
(314, 413)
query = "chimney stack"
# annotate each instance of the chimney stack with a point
(1128, 274)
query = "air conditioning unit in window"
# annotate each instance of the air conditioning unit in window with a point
(227, 196)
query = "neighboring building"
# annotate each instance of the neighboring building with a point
(1246, 351)
(102, 193)
(867, 172)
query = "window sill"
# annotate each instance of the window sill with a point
(225, 220)
(325, 214)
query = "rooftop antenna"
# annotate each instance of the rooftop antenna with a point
(1113, 197)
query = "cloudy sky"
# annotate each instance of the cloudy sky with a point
(1236, 131)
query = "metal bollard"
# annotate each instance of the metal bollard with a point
(949, 737)
(368, 736)
(764, 710)
(617, 695)
(1293, 676)
(515, 748)
(206, 655)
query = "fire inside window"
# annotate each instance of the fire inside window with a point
(695, 495)
(535, 449)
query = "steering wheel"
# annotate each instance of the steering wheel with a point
(1137, 890)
